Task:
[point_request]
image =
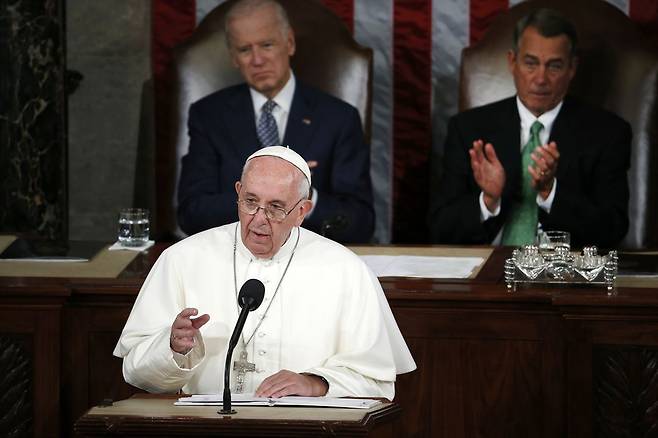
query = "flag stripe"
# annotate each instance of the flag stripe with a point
(172, 23)
(417, 46)
(482, 13)
(344, 9)
(449, 36)
(412, 47)
(203, 7)
(373, 27)
(644, 11)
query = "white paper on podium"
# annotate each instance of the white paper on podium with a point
(422, 266)
(250, 400)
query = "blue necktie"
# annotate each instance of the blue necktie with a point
(521, 228)
(267, 132)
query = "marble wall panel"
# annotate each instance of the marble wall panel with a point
(32, 118)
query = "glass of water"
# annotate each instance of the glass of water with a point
(549, 240)
(133, 226)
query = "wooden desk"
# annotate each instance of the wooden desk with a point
(56, 339)
(533, 363)
(538, 362)
(148, 415)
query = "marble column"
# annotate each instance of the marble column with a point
(32, 118)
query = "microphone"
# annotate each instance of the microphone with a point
(250, 296)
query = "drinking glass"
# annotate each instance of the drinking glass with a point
(549, 240)
(133, 226)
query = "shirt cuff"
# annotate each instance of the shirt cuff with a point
(193, 357)
(484, 211)
(546, 204)
(319, 377)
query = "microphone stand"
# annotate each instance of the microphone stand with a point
(226, 405)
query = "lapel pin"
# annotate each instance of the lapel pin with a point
(306, 121)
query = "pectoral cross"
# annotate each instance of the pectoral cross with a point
(242, 367)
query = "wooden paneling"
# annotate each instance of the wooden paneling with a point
(92, 374)
(30, 330)
(481, 372)
(412, 392)
(489, 387)
(17, 399)
(491, 363)
(625, 384)
(612, 375)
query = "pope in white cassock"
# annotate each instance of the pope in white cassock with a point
(324, 327)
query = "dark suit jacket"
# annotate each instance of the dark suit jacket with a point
(320, 127)
(591, 200)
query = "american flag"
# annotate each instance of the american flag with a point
(417, 46)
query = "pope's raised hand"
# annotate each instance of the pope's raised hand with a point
(488, 172)
(185, 330)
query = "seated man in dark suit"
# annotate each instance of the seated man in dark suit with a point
(540, 159)
(274, 108)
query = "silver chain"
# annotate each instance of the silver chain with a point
(235, 281)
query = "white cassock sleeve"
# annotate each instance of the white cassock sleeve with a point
(148, 361)
(371, 350)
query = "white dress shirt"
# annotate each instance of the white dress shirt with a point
(527, 119)
(283, 102)
(280, 113)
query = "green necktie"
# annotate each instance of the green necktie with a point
(521, 228)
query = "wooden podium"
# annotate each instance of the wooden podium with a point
(542, 362)
(153, 415)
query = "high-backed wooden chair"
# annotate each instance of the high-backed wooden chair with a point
(327, 57)
(616, 70)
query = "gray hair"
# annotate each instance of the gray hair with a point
(303, 186)
(243, 8)
(549, 23)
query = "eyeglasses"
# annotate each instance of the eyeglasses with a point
(276, 214)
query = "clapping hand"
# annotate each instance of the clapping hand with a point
(488, 172)
(543, 170)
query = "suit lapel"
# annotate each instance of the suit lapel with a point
(242, 124)
(301, 124)
(508, 142)
(563, 134)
